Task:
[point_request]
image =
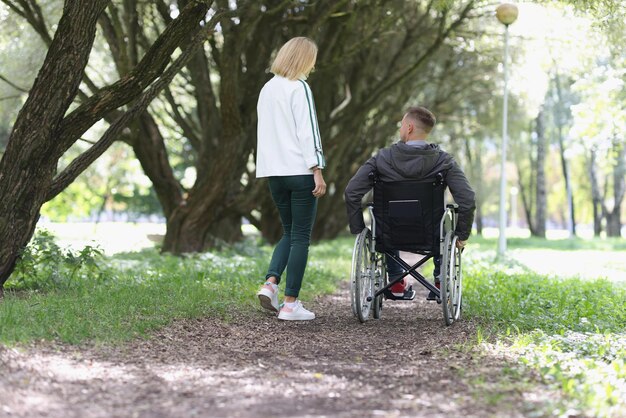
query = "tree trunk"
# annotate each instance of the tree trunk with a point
(596, 195)
(613, 218)
(30, 160)
(560, 123)
(199, 223)
(380, 82)
(569, 196)
(149, 147)
(597, 219)
(270, 225)
(42, 134)
(209, 214)
(330, 222)
(525, 203)
(480, 192)
(540, 214)
(479, 219)
(614, 222)
(526, 174)
(475, 162)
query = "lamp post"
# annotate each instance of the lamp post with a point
(506, 14)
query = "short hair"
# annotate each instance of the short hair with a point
(295, 58)
(423, 116)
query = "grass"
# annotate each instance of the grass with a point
(568, 331)
(139, 292)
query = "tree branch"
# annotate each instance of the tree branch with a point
(182, 121)
(132, 84)
(15, 96)
(83, 161)
(431, 49)
(15, 86)
(32, 13)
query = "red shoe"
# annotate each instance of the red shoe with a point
(398, 289)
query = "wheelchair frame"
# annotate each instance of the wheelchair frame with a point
(369, 280)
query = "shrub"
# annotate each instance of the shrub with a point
(44, 265)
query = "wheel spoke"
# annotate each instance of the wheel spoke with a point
(449, 276)
(362, 276)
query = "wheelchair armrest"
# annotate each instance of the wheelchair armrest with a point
(453, 206)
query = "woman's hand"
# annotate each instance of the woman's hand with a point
(320, 184)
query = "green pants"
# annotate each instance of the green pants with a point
(293, 196)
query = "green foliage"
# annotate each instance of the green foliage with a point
(113, 183)
(140, 292)
(138, 202)
(21, 54)
(588, 367)
(570, 331)
(526, 302)
(43, 265)
(77, 200)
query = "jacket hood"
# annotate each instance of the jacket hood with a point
(416, 162)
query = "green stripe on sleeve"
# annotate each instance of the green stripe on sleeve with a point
(313, 124)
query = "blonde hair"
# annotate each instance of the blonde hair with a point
(295, 58)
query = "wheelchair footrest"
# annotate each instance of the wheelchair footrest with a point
(409, 294)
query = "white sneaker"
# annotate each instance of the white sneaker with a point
(268, 296)
(297, 313)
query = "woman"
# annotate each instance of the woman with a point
(289, 153)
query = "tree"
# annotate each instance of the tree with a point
(599, 126)
(561, 103)
(364, 84)
(15, 77)
(539, 229)
(361, 77)
(470, 115)
(28, 175)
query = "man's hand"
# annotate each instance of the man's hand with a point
(320, 184)
(460, 244)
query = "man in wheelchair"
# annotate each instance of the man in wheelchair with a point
(412, 159)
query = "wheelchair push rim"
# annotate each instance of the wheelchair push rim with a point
(362, 277)
(380, 281)
(353, 275)
(451, 280)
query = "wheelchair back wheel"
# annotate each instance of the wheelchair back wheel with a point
(451, 279)
(362, 277)
(380, 281)
(355, 251)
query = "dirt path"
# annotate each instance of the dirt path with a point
(406, 364)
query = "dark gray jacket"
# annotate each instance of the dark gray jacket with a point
(401, 162)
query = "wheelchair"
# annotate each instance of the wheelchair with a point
(406, 216)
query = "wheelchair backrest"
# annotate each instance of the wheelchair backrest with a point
(408, 213)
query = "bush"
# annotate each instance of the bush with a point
(44, 265)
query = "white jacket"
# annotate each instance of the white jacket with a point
(288, 136)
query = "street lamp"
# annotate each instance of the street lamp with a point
(506, 14)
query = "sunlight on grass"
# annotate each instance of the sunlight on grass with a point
(590, 367)
(582, 258)
(111, 237)
(571, 331)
